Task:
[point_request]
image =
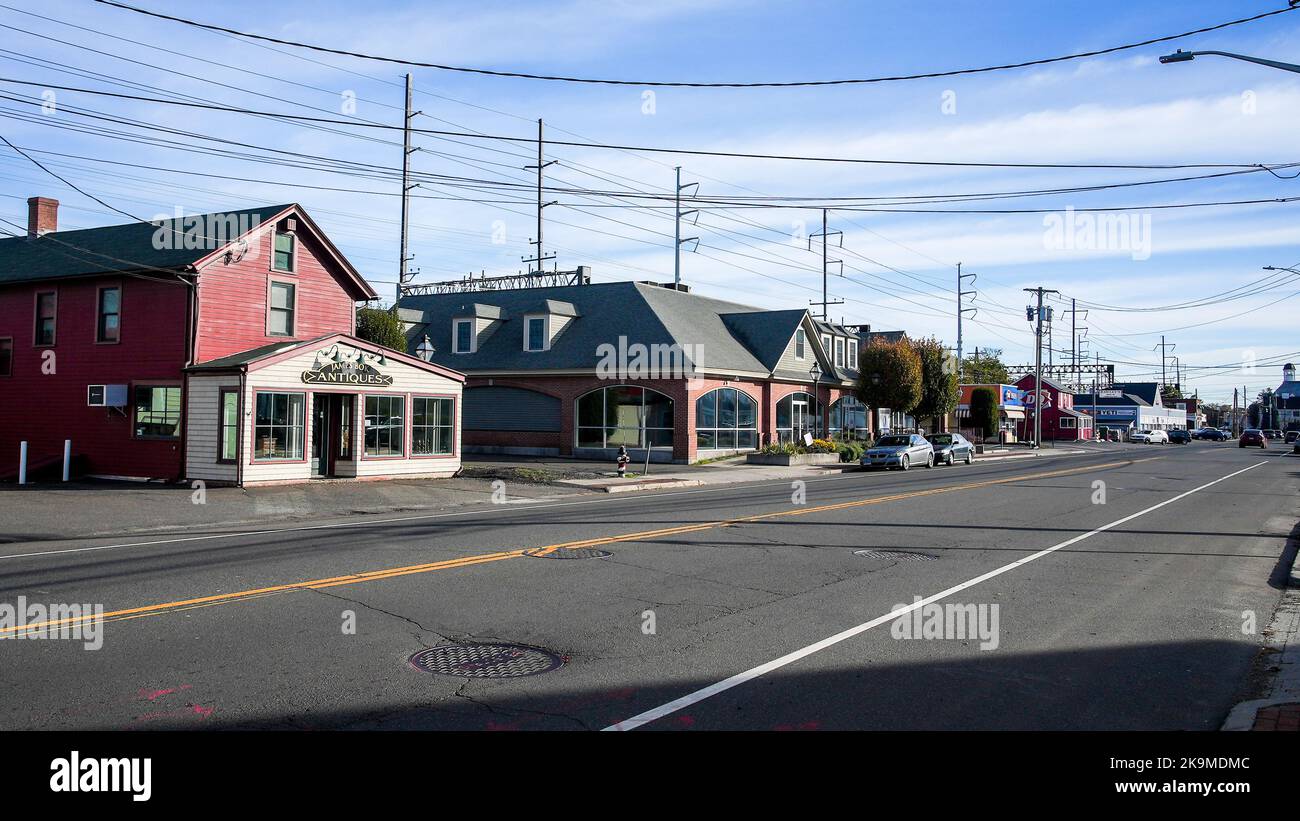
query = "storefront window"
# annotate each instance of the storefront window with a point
(726, 419)
(385, 425)
(797, 414)
(848, 419)
(229, 429)
(157, 412)
(278, 426)
(433, 424)
(609, 417)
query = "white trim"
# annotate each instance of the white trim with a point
(546, 332)
(455, 335)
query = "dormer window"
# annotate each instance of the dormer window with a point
(839, 352)
(853, 354)
(535, 335)
(283, 255)
(462, 336)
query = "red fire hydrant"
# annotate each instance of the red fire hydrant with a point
(623, 459)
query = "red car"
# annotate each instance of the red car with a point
(1254, 438)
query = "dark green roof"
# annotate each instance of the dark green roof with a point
(238, 360)
(113, 248)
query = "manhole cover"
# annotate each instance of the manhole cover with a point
(895, 555)
(486, 660)
(567, 553)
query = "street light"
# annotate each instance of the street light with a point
(425, 349)
(1181, 56)
(816, 373)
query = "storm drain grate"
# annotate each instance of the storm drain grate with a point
(567, 553)
(895, 555)
(486, 660)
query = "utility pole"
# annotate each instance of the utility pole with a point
(1076, 340)
(826, 263)
(1038, 316)
(541, 256)
(403, 256)
(961, 311)
(677, 227)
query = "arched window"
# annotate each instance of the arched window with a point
(627, 415)
(849, 419)
(797, 414)
(726, 419)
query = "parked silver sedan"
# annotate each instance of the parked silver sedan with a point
(950, 448)
(900, 450)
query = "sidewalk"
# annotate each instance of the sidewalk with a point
(737, 471)
(1278, 709)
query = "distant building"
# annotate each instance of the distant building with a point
(580, 370)
(1060, 421)
(1011, 409)
(1129, 407)
(1288, 399)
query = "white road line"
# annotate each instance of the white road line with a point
(422, 517)
(763, 669)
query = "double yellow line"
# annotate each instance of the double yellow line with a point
(484, 558)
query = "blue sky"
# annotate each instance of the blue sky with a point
(899, 268)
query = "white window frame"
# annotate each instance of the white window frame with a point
(839, 351)
(852, 353)
(546, 332)
(455, 336)
(800, 343)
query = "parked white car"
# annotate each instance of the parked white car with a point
(1151, 437)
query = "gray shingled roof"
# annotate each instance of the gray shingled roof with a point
(108, 249)
(644, 313)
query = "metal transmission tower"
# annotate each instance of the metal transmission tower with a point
(1075, 338)
(403, 257)
(1165, 348)
(541, 257)
(961, 312)
(677, 226)
(825, 234)
(1038, 317)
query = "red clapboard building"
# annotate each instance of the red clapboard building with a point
(1061, 422)
(102, 331)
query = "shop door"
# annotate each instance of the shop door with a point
(798, 419)
(321, 462)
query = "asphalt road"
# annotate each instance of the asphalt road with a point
(717, 608)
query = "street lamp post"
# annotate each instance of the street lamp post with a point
(816, 373)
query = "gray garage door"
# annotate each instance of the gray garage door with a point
(498, 408)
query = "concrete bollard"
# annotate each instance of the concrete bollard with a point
(67, 458)
(22, 463)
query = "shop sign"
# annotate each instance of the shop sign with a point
(346, 373)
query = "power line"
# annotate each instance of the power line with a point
(685, 84)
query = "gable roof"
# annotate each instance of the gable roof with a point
(1148, 391)
(133, 247)
(724, 336)
(108, 249)
(255, 358)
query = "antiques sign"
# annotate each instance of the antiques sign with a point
(346, 373)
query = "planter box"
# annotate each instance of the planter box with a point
(788, 459)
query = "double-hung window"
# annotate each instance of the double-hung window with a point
(6, 356)
(280, 315)
(799, 341)
(284, 248)
(462, 336)
(535, 333)
(46, 309)
(228, 426)
(108, 315)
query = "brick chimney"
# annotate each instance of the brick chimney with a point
(42, 216)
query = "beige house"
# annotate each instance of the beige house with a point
(331, 407)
